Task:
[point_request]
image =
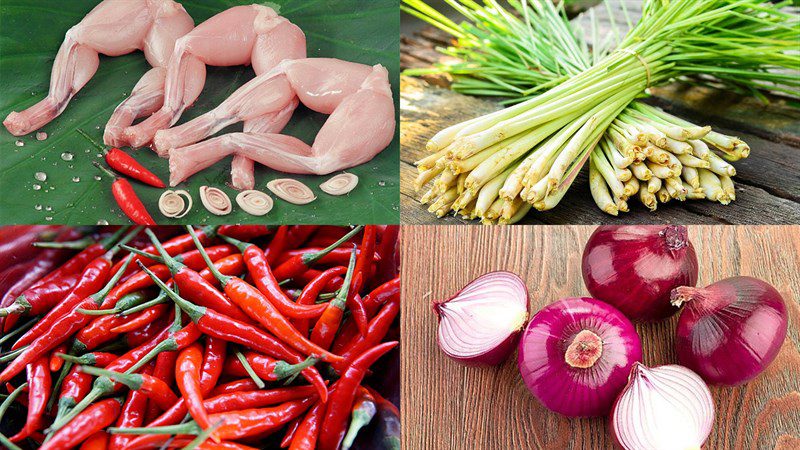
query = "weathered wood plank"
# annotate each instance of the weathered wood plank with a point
(449, 406)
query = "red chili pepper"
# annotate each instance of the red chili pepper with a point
(372, 302)
(262, 310)
(19, 246)
(225, 327)
(156, 390)
(277, 245)
(326, 327)
(245, 384)
(299, 234)
(97, 441)
(187, 374)
(243, 232)
(236, 401)
(39, 383)
(343, 395)
(141, 319)
(135, 282)
(388, 267)
(175, 246)
(39, 299)
(268, 369)
(138, 337)
(126, 199)
(93, 419)
(337, 256)
(126, 165)
(299, 264)
(132, 415)
(164, 370)
(55, 362)
(192, 258)
(258, 421)
(43, 263)
(59, 332)
(305, 438)
(196, 288)
(266, 283)
(364, 409)
(377, 330)
(91, 281)
(229, 265)
(290, 432)
(213, 360)
(77, 383)
(312, 290)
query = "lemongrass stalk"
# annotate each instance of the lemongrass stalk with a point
(719, 166)
(659, 170)
(675, 188)
(460, 183)
(427, 197)
(425, 176)
(659, 156)
(653, 185)
(625, 146)
(693, 131)
(711, 185)
(727, 186)
(693, 193)
(690, 175)
(430, 161)
(631, 187)
(693, 161)
(443, 202)
(510, 208)
(678, 147)
(614, 155)
(440, 141)
(521, 212)
(654, 135)
(602, 166)
(663, 195)
(599, 191)
(699, 148)
(459, 166)
(647, 198)
(495, 210)
(512, 186)
(445, 181)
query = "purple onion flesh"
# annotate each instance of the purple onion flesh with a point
(730, 331)
(634, 267)
(480, 324)
(576, 354)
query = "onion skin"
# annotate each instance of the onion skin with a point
(635, 267)
(730, 331)
(561, 387)
(498, 352)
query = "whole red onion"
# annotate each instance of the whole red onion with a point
(730, 331)
(635, 267)
(480, 324)
(576, 354)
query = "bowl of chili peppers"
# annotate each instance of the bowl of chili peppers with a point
(228, 337)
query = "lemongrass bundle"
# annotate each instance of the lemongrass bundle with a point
(578, 108)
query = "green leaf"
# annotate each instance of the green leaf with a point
(30, 34)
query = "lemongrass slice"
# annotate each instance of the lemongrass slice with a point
(215, 200)
(340, 184)
(291, 190)
(171, 203)
(255, 203)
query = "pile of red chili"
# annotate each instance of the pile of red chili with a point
(231, 337)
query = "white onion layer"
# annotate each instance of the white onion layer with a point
(172, 203)
(254, 202)
(663, 408)
(215, 200)
(292, 191)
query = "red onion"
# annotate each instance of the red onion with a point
(635, 267)
(730, 331)
(480, 324)
(576, 354)
(663, 408)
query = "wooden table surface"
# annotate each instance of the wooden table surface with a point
(449, 406)
(767, 183)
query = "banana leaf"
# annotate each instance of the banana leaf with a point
(75, 192)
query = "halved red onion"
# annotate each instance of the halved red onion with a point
(480, 324)
(663, 408)
(634, 267)
(576, 354)
(730, 331)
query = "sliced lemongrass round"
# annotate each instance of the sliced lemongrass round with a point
(254, 202)
(291, 190)
(340, 184)
(215, 200)
(172, 204)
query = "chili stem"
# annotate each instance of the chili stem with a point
(249, 369)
